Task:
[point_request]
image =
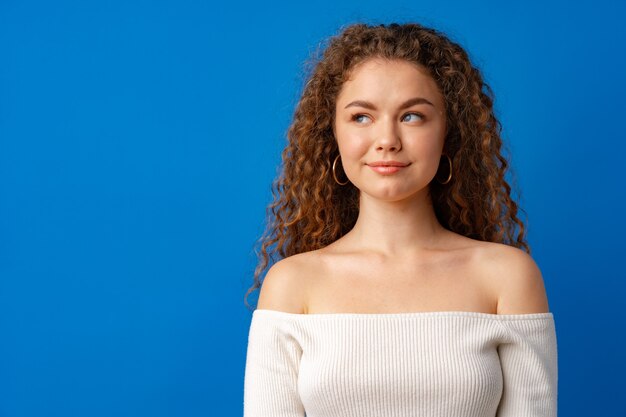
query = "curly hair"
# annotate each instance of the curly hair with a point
(310, 210)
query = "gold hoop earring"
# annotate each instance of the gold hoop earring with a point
(335, 175)
(450, 174)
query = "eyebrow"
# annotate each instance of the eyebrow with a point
(410, 102)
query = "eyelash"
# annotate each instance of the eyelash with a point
(354, 117)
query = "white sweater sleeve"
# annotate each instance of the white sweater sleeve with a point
(271, 370)
(528, 359)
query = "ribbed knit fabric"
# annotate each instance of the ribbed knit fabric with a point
(421, 364)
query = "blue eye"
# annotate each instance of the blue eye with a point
(356, 116)
(415, 114)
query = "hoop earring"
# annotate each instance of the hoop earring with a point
(335, 175)
(450, 174)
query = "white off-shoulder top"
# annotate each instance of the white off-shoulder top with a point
(420, 364)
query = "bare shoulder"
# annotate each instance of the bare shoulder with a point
(515, 277)
(284, 286)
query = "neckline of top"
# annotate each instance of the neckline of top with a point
(519, 316)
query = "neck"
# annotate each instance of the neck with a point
(394, 228)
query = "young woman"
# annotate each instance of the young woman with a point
(405, 286)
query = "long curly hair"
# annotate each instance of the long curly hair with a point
(311, 210)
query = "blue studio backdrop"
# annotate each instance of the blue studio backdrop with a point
(138, 143)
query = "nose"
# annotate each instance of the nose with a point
(388, 136)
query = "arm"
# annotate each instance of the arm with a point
(271, 373)
(529, 368)
(273, 355)
(528, 354)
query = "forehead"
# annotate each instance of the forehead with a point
(385, 80)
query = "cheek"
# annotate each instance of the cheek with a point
(352, 145)
(425, 145)
(353, 156)
(426, 150)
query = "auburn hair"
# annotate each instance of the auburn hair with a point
(311, 210)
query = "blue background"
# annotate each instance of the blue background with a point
(138, 142)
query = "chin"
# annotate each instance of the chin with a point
(391, 194)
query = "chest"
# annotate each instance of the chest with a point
(372, 288)
(400, 366)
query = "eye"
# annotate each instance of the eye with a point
(415, 114)
(356, 116)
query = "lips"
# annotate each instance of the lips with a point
(388, 164)
(386, 170)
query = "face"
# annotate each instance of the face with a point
(390, 111)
